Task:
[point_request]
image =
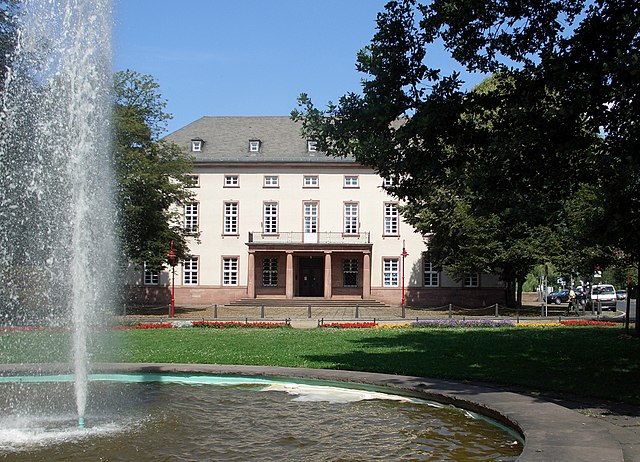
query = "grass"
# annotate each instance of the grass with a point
(588, 361)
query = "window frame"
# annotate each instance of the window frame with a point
(231, 272)
(351, 221)
(271, 181)
(471, 280)
(390, 272)
(230, 218)
(196, 145)
(350, 269)
(270, 220)
(191, 271)
(270, 272)
(149, 276)
(429, 273)
(229, 182)
(312, 146)
(391, 220)
(351, 182)
(191, 217)
(313, 183)
(255, 145)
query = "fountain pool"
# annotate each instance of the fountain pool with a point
(203, 417)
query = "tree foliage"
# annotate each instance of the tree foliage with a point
(8, 14)
(490, 175)
(152, 174)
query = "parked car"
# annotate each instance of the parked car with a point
(603, 295)
(557, 297)
(621, 294)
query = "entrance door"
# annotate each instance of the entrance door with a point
(311, 277)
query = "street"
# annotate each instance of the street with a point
(622, 307)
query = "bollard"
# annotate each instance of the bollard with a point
(262, 312)
(404, 312)
(496, 310)
(309, 311)
(450, 310)
(215, 311)
(357, 313)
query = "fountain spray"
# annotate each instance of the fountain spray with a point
(56, 176)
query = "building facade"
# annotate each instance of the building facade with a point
(279, 219)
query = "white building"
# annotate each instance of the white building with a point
(278, 219)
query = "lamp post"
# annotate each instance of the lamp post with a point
(404, 255)
(172, 258)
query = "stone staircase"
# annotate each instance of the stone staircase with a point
(304, 302)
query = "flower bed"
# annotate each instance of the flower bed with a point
(237, 324)
(586, 322)
(349, 325)
(462, 323)
(205, 325)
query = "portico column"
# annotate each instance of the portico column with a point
(289, 276)
(366, 275)
(327, 275)
(251, 276)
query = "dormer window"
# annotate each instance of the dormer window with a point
(196, 145)
(254, 145)
(312, 146)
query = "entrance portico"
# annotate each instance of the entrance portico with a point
(337, 270)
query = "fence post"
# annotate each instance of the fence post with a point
(357, 311)
(450, 309)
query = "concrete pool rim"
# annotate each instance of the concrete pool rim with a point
(550, 431)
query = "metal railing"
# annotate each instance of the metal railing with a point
(325, 237)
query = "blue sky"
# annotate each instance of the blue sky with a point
(243, 57)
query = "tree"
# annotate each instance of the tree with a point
(152, 174)
(484, 173)
(8, 12)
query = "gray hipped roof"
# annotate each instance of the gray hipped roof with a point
(226, 139)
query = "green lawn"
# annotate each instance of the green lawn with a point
(591, 361)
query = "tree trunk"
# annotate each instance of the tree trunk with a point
(520, 281)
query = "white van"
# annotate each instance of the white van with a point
(603, 295)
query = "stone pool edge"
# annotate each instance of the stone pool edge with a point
(550, 431)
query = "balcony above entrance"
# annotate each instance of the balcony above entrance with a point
(325, 237)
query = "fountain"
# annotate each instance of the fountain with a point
(56, 181)
(56, 273)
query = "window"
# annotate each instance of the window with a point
(350, 218)
(390, 272)
(151, 278)
(310, 181)
(230, 218)
(192, 181)
(190, 271)
(231, 181)
(270, 218)
(270, 272)
(270, 181)
(471, 280)
(430, 277)
(196, 145)
(350, 181)
(387, 182)
(191, 217)
(312, 146)
(230, 271)
(310, 217)
(390, 220)
(350, 272)
(254, 145)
